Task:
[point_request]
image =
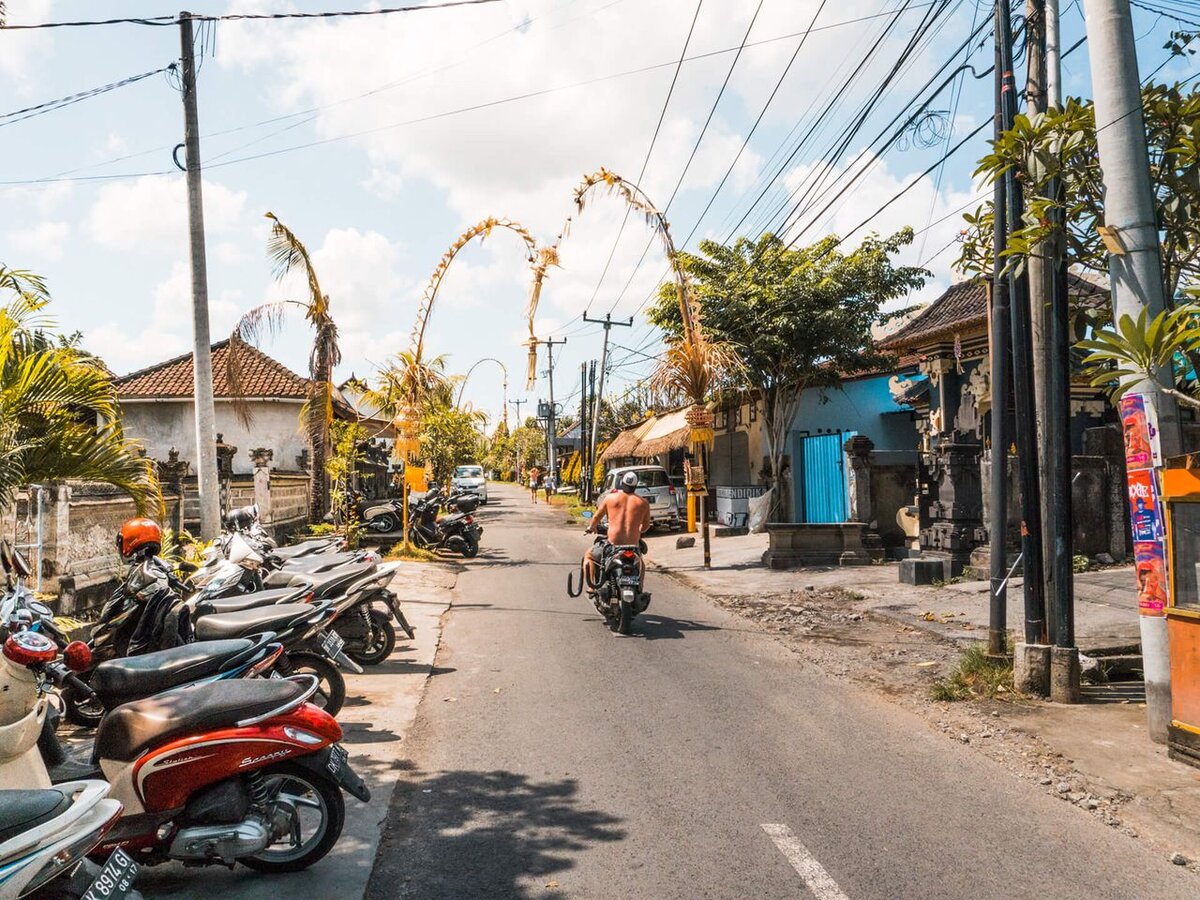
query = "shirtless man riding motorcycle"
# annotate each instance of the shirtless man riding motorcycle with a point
(628, 518)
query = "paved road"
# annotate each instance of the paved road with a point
(698, 758)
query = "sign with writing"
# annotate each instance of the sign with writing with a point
(1151, 568)
(1145, 510)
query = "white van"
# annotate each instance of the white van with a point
(653, 484)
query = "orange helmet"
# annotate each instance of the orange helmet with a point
(138, 535)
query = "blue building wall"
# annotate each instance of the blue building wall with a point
(862, 406)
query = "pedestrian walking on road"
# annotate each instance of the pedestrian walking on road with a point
(534, 479)
(548, 484)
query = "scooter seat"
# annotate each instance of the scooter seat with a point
(129, 730)
(238, 602)
(326, 585)
(21, 811)
(118, 681)
(279, 617)
(322, 563)
(305, 548)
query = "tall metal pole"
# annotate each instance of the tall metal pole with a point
(206, 427)
(519, 459)
(1064, 661)
(608, 323)
(1026, 427)
(583, 414)
(594, 406)
(551, 434)
(1001, 347)
(1135, 273)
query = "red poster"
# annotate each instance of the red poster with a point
(1151, 577)
(1144, 511)
(1139, 423)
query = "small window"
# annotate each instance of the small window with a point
(652, 478)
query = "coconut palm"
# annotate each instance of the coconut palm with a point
(59, 417)
(288, 254)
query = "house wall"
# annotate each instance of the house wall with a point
(162, 425)
(863, 405)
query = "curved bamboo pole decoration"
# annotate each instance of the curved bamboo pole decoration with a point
(462, 387)
(479, 230)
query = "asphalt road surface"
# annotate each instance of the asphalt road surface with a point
(698, 758)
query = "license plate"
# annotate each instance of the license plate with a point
(338, 758)
(115, 879)
(628, 581)
(332, 643)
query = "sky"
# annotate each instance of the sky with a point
(379, 139)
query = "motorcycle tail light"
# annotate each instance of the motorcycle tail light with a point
(628, 554)
(627, 570)
(78, 656)
(671, 490)
(470, 520)
(29, 648)
(301, 736)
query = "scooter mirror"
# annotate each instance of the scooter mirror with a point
(588, 514)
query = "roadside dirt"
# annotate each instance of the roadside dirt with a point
(1091, 755)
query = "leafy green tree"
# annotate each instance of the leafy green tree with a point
(798, 319)
(59, 416)
(1062, 144)
(450, 437)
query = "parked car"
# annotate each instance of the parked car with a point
(470, 480)
(655, 485)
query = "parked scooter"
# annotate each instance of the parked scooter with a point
(18, 602)
(238, 771)
(380, 516)
(45, 833)
(458, 532)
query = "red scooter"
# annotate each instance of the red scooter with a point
(236, 771)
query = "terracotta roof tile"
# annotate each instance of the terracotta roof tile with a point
(262, 375)
(965, 306)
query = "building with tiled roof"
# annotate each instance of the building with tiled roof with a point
(157, 409)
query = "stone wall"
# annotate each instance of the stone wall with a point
(893, 486)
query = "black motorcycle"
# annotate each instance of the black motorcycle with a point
(616, 593)
(457, 532)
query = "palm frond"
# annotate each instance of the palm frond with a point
(252, 329)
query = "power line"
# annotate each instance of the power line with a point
(472, 108)
(649, 150)
(29, 112)
(704, 130)
(238, 17)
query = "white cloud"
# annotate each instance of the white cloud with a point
(150, 213)
(20, 49)
(44, 240)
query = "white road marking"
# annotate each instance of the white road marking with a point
(822, 886)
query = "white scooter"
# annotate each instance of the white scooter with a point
(46, 832)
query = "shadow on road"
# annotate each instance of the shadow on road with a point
(653, 627)
(483, 834)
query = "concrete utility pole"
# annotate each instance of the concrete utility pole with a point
(1135, 271)
(594, 406)
(520, 424)
(551, 415)
(1039, 268)
(583, 429)
(206, 426)
(608, 323)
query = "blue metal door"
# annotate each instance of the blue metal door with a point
(823, 485)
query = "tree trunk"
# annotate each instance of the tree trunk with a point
(318, 437)
(779, 408)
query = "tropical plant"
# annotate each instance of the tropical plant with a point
(346, 452)
(288, 254)
(1136, 350)
(59, 416)
(799, 319)
(1061, 144)
(450, 437)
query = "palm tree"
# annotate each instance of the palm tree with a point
(59, 416)
(288, 254)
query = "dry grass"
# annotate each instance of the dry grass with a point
(411, 554)
(976, 676)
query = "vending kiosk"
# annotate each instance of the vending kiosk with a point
(1181, 497)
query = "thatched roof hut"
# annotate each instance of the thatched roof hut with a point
(652, 438)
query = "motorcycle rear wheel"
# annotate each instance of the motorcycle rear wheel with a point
(331, 686)
(385, 524)
(382, 644)
(472, 549)
(317, 794)
(622, 622)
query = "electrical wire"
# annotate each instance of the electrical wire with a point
(29, 112)
(649, 150)
(239, 17)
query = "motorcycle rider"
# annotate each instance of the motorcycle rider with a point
(628, 518)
